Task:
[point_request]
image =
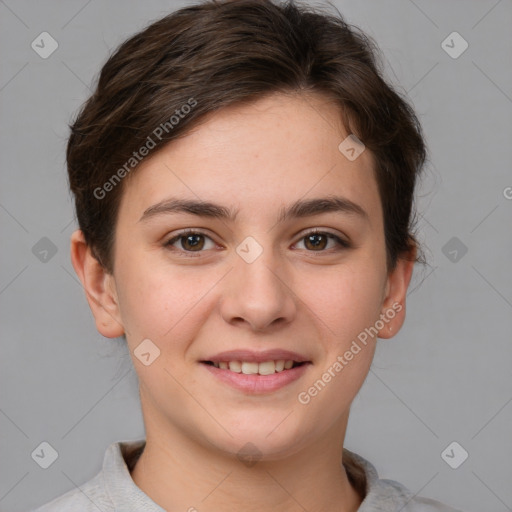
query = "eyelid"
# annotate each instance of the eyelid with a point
(187, 231)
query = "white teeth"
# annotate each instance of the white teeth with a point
(267, 368)
(280, 365)
(253, 368)
(249, 368)
(235, 366)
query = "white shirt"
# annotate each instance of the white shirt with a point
(113, 490)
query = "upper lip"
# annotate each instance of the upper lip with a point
(257, 357)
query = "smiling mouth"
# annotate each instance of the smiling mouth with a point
(254, 368)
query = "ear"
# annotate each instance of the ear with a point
(99, 286)
(393, 306)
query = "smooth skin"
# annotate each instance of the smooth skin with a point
(195, 297)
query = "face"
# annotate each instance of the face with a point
(287, 263)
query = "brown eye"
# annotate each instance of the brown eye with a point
(192, 242)
(317, 241)
(189, 242)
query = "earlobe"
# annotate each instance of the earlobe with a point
(99, 287)
(393, 306)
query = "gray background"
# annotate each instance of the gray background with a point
(445, 377)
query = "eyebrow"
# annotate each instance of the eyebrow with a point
(300, 208)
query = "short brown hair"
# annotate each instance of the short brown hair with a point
(219, 53)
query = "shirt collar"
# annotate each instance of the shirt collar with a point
(121, 488)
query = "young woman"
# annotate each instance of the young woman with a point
(244, 180)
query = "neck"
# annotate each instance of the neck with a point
(178, 473)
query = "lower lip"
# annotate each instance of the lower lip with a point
(258, 383)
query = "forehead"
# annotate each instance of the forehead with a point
(255, 157)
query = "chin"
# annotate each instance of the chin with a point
(261, 442)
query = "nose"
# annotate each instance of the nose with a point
(259, 294)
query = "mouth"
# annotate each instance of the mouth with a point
(257, 372)
(255, 368)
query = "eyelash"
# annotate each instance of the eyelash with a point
(343, 244)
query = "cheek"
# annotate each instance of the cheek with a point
(157, 301)
(346, 300)
(346, 303)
